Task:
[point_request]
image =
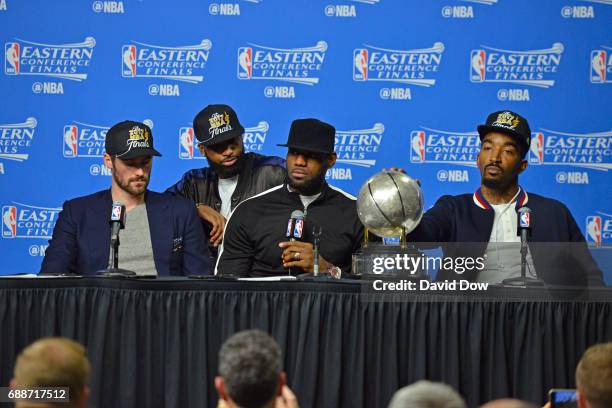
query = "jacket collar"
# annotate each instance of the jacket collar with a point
(482, 203)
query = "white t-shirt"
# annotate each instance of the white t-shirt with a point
(226, 189)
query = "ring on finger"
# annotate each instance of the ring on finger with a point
(296, 256)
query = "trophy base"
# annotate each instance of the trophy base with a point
(378, 261)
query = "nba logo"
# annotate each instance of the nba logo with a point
(477, 62)
(536, 149)
(598, 66)
(9, 221)
(245, 63)
(360, 66)
(116, 212)
(70, 141)
(186, 143)
(11, 63)
(297, 230)
(593, 227)
(129, 61)
(525, 220)
(417, 151)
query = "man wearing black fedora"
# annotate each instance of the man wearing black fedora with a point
(488, 218)
(256, 243)
(232, 175)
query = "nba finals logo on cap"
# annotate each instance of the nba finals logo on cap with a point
(506, 120)
(181, 63)
(461, 10)
(63, 61)
(414, 67)
(219, 124)
(16, 140)
(589, 151)
(444, 147)
(599, 230)
(347, 8)
(28, 221)
(139, 138)
(358, 148)
(532, 67)
(296, 65)
(601, 66)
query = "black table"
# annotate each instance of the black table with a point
(155, 342)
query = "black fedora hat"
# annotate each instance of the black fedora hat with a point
(311, 135)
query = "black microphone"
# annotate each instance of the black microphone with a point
(295, 226)
(523, 230)
(295, 229)
(524, 224)
(117, 223)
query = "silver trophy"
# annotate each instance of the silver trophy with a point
(390, 204)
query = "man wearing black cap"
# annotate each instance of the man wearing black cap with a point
(256, 242)
(233, 175)
(488, 217)
(162, 234)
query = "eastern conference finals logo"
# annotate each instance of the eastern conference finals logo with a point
(599, 230)
(357, 148)
(601, 65)
(28, 221)
(294, 65)
(86, 140)
(591, 151)
(182, 63)
(16, 140)
(254, 139)
(412, 67)
(533, 67)
(61, 61)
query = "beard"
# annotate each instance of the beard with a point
(501, 183)
(308, 187)
(228, 172)
(129, 188)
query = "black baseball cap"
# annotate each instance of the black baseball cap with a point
(215, 124)
(508, 123)
(128, 140)
(311, 135)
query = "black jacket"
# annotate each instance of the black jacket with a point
(255, 228)
(202, 185)
(259, 174)
(558, 248)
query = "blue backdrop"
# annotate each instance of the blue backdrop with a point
(405, 82)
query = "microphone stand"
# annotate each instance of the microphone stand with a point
(523, 280)
(113, 269)
(315, 275)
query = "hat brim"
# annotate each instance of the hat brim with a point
(305, 148)
(222, 138)
(132, 154)
(483, 130)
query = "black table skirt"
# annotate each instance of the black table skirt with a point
(155, 343)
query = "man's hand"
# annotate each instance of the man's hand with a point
(300, 254)
(216, 220)
(287, 399)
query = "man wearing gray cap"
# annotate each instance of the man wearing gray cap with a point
(162, 234)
